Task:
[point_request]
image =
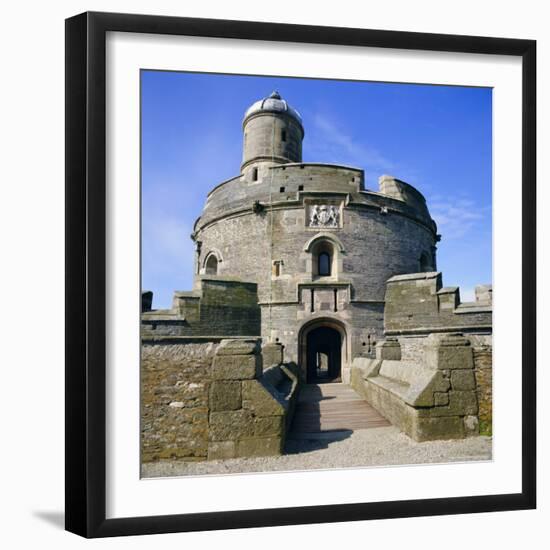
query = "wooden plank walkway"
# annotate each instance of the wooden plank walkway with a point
(332, 407)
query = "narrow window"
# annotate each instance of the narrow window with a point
(211, 267)
(324, 264)
(276, 269)
(335, 299)
(283, 135)
(254, 174)
(312, 300)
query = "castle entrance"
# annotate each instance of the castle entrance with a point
(323, 355)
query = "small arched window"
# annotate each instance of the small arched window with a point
(324, 260)
(211, 266)
(324, 264)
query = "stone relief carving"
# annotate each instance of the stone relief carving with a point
(324, 215)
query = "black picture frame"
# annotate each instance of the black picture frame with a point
(86, 274)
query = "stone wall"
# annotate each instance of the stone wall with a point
(483, 369)
(371, 247)
(175, 385)
(218, 306)
(436, 398)
(247, 414)
(276, 250)
(418, 304)
(210, 399)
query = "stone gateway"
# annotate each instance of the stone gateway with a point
(337, 282)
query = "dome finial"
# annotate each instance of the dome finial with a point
(275, 95)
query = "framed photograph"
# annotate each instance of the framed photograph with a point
(300, 274)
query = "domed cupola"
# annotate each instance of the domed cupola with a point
(273, 134)
(272, 104)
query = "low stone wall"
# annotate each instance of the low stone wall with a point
(483, 369)
(175, 384)
(433, 399)
(210, 399)
(247, 413)
(412, 347)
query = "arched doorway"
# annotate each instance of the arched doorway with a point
(324, 355)
(322, 351)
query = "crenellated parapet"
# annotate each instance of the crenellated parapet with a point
(218, 306)
(419, 304)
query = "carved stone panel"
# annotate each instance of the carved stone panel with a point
(324, 215)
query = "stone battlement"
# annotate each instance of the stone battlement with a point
(217, 306)
(418, 303)
(287, 184)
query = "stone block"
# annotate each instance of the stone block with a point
(448, 351)
(462, 379)
(266, 446)
(220, 450)
(269, 426)
(261, 398)
(388, 349)
(471, 425)
(225, 395)
(441, 399)
(272, 354)
(236, 367)
(231, 425)
(463, 401)
(447, 427)
(238, 347)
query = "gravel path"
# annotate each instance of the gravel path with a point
(372, 447)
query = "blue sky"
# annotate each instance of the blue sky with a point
(437, 138)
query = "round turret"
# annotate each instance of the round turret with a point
(273, 134)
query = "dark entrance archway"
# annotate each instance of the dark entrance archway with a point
(324, 355)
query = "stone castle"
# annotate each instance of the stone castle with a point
(335, 282)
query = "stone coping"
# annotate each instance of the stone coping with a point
(483, 329)
(187, 339)
(473, 307)
(414, 276)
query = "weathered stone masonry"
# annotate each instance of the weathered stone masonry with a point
(428, 379)
(295, 254)
(211, 399)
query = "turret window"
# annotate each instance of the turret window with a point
(283, 135)
(254, 174)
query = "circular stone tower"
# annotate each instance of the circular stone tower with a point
(273, 134)
(319, 245)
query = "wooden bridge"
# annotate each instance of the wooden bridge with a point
(332, 407)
